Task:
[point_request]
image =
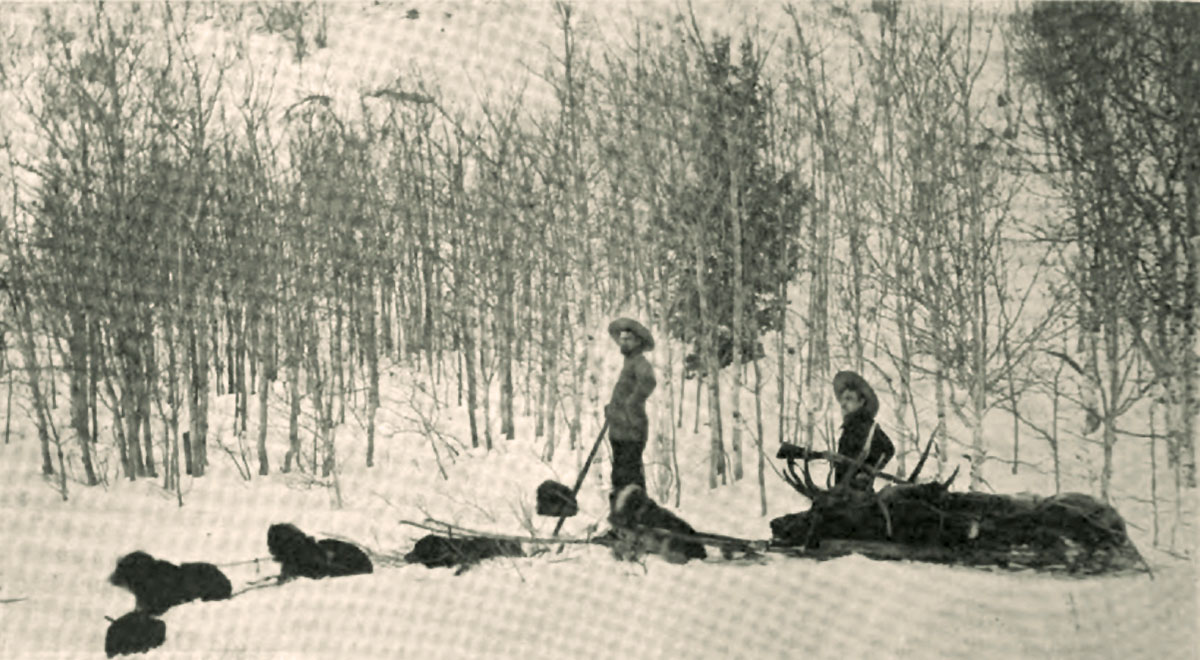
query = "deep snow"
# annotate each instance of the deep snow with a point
(581, 603)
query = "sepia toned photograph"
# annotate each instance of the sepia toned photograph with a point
(629, 329)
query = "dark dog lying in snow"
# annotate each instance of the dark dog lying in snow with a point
(442, 551)
(159, 585)
(136, 632)
(342, 558)
(300, 555)
(639, 524)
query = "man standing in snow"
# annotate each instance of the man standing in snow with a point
(628, 425)
(859, 407)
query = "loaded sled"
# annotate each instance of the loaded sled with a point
(1070, 532)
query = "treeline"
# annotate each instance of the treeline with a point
(178, 232)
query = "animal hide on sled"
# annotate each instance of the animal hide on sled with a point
(1072, 530)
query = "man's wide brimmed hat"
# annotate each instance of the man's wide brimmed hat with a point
(617, 327)
(851, 380)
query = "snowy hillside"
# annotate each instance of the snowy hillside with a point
(582, 603)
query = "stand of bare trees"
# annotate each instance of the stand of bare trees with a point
(853, 192)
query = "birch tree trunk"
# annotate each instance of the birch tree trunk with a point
(550, 377)
(294, 352)
(781, 369)
(539, 424)
(712, 366)
(127, 354)
(95, 351)
(469, 355)
(939, 395)
(1109, 421)
(818, 320)
(485, 403)
(149, 384)
(1054, 434)
(265, 372)
(1154, 473)
(337, 364)
(979, 320)
(905, 437)
(577, 363)
(738, 310)
(758, 418)
(239, 375)
(168, 411)
(78, 358)
(199, 366)
(328, 421)
(506, 325)
(371, 343)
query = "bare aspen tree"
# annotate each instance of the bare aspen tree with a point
(812, 94)
(735, 211)
(486, 368)
(198, 359)
(506, 326)
(292, 364)
(576, 209)
(507, 259)
(465, 280)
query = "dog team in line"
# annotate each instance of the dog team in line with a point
(158, 585)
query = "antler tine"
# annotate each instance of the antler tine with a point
(804, 486)
(789, 475)
(912, 478)
(808, 480)
(946, 484)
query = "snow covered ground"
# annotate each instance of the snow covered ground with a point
(581, 603)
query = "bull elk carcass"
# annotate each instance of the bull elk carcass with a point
(927, 521)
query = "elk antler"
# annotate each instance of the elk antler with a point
(808, 480)
(806, 486)
(912, 478)
(946, 484)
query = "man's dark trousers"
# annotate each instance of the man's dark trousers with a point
(627, 465)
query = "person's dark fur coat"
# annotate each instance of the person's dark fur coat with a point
(855, 428)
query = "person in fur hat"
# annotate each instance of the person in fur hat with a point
(628, 425)
(859, 407)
